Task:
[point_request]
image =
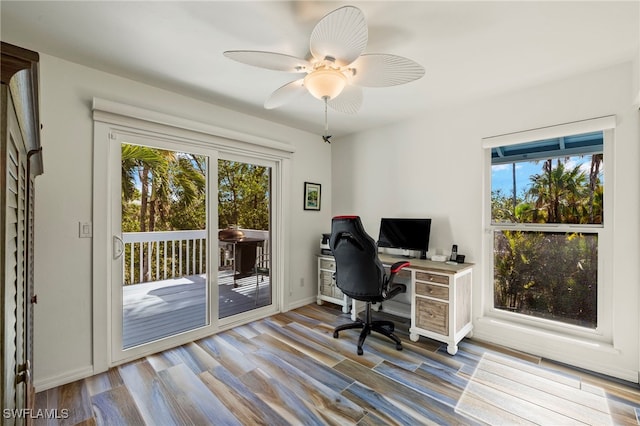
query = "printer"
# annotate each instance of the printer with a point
(324, 244)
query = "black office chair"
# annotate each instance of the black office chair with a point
(361, 276)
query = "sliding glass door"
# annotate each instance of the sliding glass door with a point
(161, 246)
(244, 237)
(164, 243)
(172, 257)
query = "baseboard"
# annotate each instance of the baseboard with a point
(299, 303)
(62, 379)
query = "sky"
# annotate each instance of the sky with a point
(501, 175)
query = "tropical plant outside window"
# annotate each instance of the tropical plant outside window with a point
(546, 214)
(161, 191)
(166, 191)
(243, 195)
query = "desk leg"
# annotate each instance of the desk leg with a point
(346, 308)
(357, 306)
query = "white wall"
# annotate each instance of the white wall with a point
(433, 166)
(63, 316)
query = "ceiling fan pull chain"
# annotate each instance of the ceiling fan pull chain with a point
(326, 135)
(326, 119)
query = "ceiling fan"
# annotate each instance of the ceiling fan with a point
(337, 68)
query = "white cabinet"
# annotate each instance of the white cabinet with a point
(327, 289)
(441, 305)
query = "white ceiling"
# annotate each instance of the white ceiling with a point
(469, 49)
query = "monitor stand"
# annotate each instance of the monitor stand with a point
(406, 254)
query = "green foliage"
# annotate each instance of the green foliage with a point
(162, 190)
(243, 195)
(166, 190)
(547, 274)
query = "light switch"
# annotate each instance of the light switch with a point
(85, 230)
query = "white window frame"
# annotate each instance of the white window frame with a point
(604, 330)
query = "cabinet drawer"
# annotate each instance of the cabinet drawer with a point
(330, 291)
(432, 278)
(431, 290)
(327, 264)
(432, 315)
(326, 277)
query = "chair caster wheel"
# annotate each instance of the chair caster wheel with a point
(335, 334)
(360, 351)
(398, 347)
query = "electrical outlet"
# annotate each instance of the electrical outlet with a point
(301, 282)
(85, 230)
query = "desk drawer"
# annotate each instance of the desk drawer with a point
(432, 278)
(326, 278)
(431, 290)
(432, 315)
(328, 264)
(337, 293)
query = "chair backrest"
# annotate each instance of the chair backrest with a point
(359, 272)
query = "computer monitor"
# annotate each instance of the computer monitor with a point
(405, 233)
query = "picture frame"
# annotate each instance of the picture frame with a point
(312, 196)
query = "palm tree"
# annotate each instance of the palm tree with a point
(139, 162)
(595, 189)
(558, 193)
(166, 178)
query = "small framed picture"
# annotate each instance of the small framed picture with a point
(312, 196)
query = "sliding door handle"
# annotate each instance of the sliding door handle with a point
(118, 247)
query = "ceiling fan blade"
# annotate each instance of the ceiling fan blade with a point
(342, 35)
(381, 70)
(349, 101)
(285, 94)
(269, 60)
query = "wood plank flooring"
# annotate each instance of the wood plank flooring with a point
(289, 370)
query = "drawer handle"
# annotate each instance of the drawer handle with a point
(430, 278)
(430, 291)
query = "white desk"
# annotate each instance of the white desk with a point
(438, 300)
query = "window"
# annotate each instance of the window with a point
(547, 227)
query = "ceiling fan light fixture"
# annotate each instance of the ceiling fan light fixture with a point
(325, 83)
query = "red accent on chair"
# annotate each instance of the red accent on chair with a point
(345, 217)
(398, 266)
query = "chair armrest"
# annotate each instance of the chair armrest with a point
(396, 267)
(393, 288)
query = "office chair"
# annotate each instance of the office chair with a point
(361, 276)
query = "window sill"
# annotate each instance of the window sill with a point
(531, 336)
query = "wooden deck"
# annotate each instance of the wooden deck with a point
(155, 310)
(288, 369)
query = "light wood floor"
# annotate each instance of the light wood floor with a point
(288, 369)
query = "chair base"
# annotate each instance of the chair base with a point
(385, 328)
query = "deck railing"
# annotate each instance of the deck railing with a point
(161, 255)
